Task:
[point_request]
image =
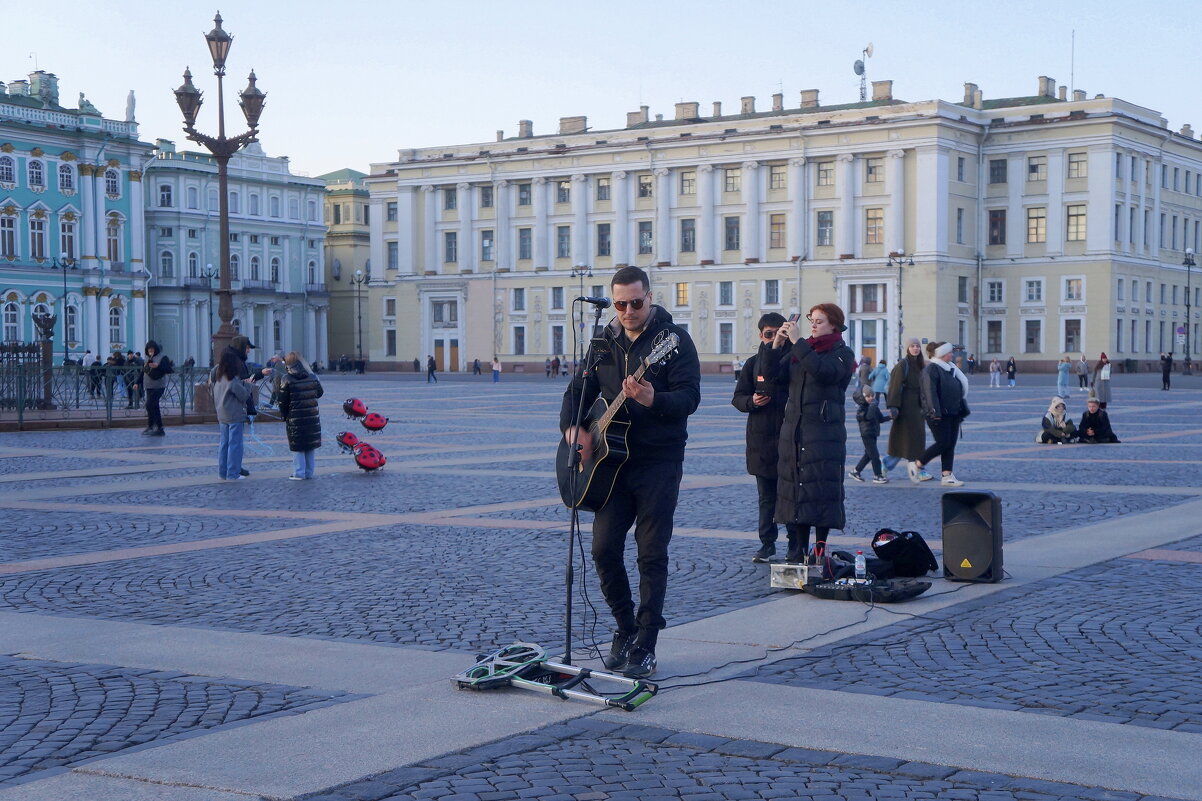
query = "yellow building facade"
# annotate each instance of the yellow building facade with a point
(1019, 226)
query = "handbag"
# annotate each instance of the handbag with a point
(906, 550)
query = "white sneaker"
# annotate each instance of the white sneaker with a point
(950, 480)
(880, 480)
(912, 469)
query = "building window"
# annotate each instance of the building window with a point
(688, 236)
(394, 255)
(450, 246)
(192, 197)
(253, 205)
(874, 171)
(37, 174)
(275, 241)
(645, 189)
(1075, 231)
(72, 323)
(12, 322)
(960, 169)
(993, 292)
(312, 272)
(8, 237)
(66, 178)
(726, 293)
(166, 264)
(166, 233)
(772, 292)
(8, 173)
(874, 226)
(730, 231)
(450, 199)
(519, 299)
(37, 239)
(1074, 290)
(557, 339)
(962, 290)
(959, 226)
(112, 183)
(776, 230)
(275, 271)
(726, 338)
(273, 205)
(826, 228)
(825, 173)
(557, 300)
(1032, 336)
(688, 182)
(777, 177)
(563, 242)
(486, 245)
(1119, 287)
(563, 192)
(602, 189)
(645, 241)
(519, 340)
(732, 179)
(66, 239)
(1037, 168)
(112, 239)
(1033, 292)
(1078, 167)
(485, 199)
(193, 265)
(997, 226)
(313, 211)
(524, 194)
(254, 268)
(1037, 225)
(390, 213)
(997, 171)
(682, 294)
(116, 326)
(235, 266)
(235, 203)
(525, 243)
(603, 242)
(1072, 336)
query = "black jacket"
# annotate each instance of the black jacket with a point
(299, 392)
(1100, 423)
(813, 437)
(763, 422)
(658, 433)
(942, 393)
(869, 416)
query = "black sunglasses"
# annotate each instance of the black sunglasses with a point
(768, 333)
(635, 304)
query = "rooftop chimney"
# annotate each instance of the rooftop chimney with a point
(970, 90)
(778, 102)
(500, 135)
(639, 117)
(44, 86)
(525, 129)
(1047, 86)
(1078, 94)
(747, 105)
(687, 111)
(1187, 131)
(571, 125)
(1062, 93)
(18, 87)
(882, 90)
(809, 98)
(717, 108)
(978, 99)
(165, 145)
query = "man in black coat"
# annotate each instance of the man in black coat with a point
(762, 398)
(1166, 370)
(1095, 424)
(645, 491)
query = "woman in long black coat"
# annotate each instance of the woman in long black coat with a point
(813, 438)
(299, 391)
(908, 434)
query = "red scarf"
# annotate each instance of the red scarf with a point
(826, 342)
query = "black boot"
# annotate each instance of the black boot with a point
(797, 549)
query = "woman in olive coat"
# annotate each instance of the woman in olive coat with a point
(299, 392)
(813, 437)
(908, 435)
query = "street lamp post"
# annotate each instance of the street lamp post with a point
(1189, 268)
(67, 263)
(358, 280)
(209, 273)
(252, 100)
(900, 260)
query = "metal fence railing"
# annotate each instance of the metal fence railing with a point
(95, 393)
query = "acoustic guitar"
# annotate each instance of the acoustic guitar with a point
(595, 477)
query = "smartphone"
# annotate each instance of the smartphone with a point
(761, 385)
(794, 317)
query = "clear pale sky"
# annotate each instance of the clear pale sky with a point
(350, 82)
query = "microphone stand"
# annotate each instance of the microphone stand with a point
(583, 368)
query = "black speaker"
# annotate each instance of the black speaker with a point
(972, 536)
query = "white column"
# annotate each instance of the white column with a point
(580, 247)
(930, 218)
(88, 219)
(663, 216)
(799, 192)
(1055, 209)
(468, 258)
(99, 207)
(705, 222)
(311, 351)
(139, 334)
(845, 226)
(503, 242)
(1139, 175)
(406, 230)
(1101, 229)
(375, 240)
(91, 332)
(1016, 215)
(895, 213)
(323, 346)
(137, 225)
(751, 201)
(1153, 248)
(430, 232)
(288, 342)
(540, 222)
(102, 329)
(268, 346)
(196, 340)
(621, 227)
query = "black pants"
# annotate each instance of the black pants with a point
(644, 495)
(871, 454)
(1082, 381)
(154, 417)
(946, 431)
(1164, 380)
(430, 376)
(766, 488)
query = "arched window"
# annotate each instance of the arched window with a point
(66, 178)
(312, 272)
(237, 324)
(274, 205)
(8, 170)
(116, 326)
(66, 239)
(235, 265)
(193, 197)
(294, 208)
(40, 309)
(312, 211)
(8, 236)
(213, 200)
(275, 269)
(112, 183)
(113, 239)
(166, 196)
(72, 323)
(254, 205)
(37, 238)
(12, 322)
(254, 268)
(37, 174)
(193, 265)
(166, 264)
(235, 206)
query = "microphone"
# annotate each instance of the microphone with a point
(601, 303)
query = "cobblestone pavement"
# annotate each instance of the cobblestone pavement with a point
(592, 760)
(54, 714)
(464, 521)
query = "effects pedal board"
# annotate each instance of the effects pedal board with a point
(789, 576)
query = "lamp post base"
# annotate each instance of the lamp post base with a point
(1187, 370)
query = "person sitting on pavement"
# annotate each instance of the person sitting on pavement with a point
(1058, 428)
(1095, 424)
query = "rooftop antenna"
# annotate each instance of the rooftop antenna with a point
(34, 56)
(1072, 62)
(860, 69)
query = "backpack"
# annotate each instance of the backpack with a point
(907, 550)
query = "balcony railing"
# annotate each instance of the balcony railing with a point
(254, 283)
(313, 288)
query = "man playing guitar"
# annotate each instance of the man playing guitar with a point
(647, 486)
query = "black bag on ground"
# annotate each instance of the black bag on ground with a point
(879, 569)
(906, 550)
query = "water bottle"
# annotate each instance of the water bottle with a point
(861, 566)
